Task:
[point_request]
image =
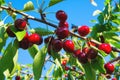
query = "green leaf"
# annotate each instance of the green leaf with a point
(101, 77)
(98, 64)
(57, 73)
(19, 34)
(2, 2)
(33, 50)
(101, 18)
(28, 6)
(3, 37)
(116, 21)
(39, 62)
(7, 60)
(89, 72)
(41, 31)
(53, 2)
(70, 76)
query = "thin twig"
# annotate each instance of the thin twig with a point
(115, 60)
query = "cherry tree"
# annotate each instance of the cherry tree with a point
(78, 53)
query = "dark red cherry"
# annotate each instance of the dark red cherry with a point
(20, 24)
(9, 32)
(57, 45)
(61, 15)
(62, 32)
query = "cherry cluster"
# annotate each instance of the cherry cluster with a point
(84, 55)
(28, 40)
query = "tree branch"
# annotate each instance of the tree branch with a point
(115, 59)
(50, 24)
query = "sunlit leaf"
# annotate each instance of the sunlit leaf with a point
(19, 34)
(39, 63)
(2, 2)
(28, 6)
(96, 12)
(53, 2)
(33, 50)
(116, 21)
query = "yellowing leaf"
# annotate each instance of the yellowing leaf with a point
(28, 6)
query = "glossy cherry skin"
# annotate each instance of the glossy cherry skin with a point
(63, 24)
(57, 45)
(92, 53)
(9, 32)
(76, 52)
(20, 24)
(68, 46)
(61, 15)
(82, 58)
(62, 32)
(17, 78)
(48, 39)
(105, 47)
(24, 43)
(35, 39)
(83, 30)
(109, 68)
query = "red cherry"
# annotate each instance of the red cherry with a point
(91, 43)
(35, 39)
(92, 53)
(48, 39)
(63, 24)
(82, 58)
(57, 45)
(83, 30)
(77, 52)
(24, 43)
(85, 50)
(114, 78)
(64, 62)
(62, 32)
(20, 24)
(67, 68)
(68, 46)
(17, 78)
(109, 68)
(61, 15)
(105, 47)
(9, 32)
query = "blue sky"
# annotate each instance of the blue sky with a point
(79, 13)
